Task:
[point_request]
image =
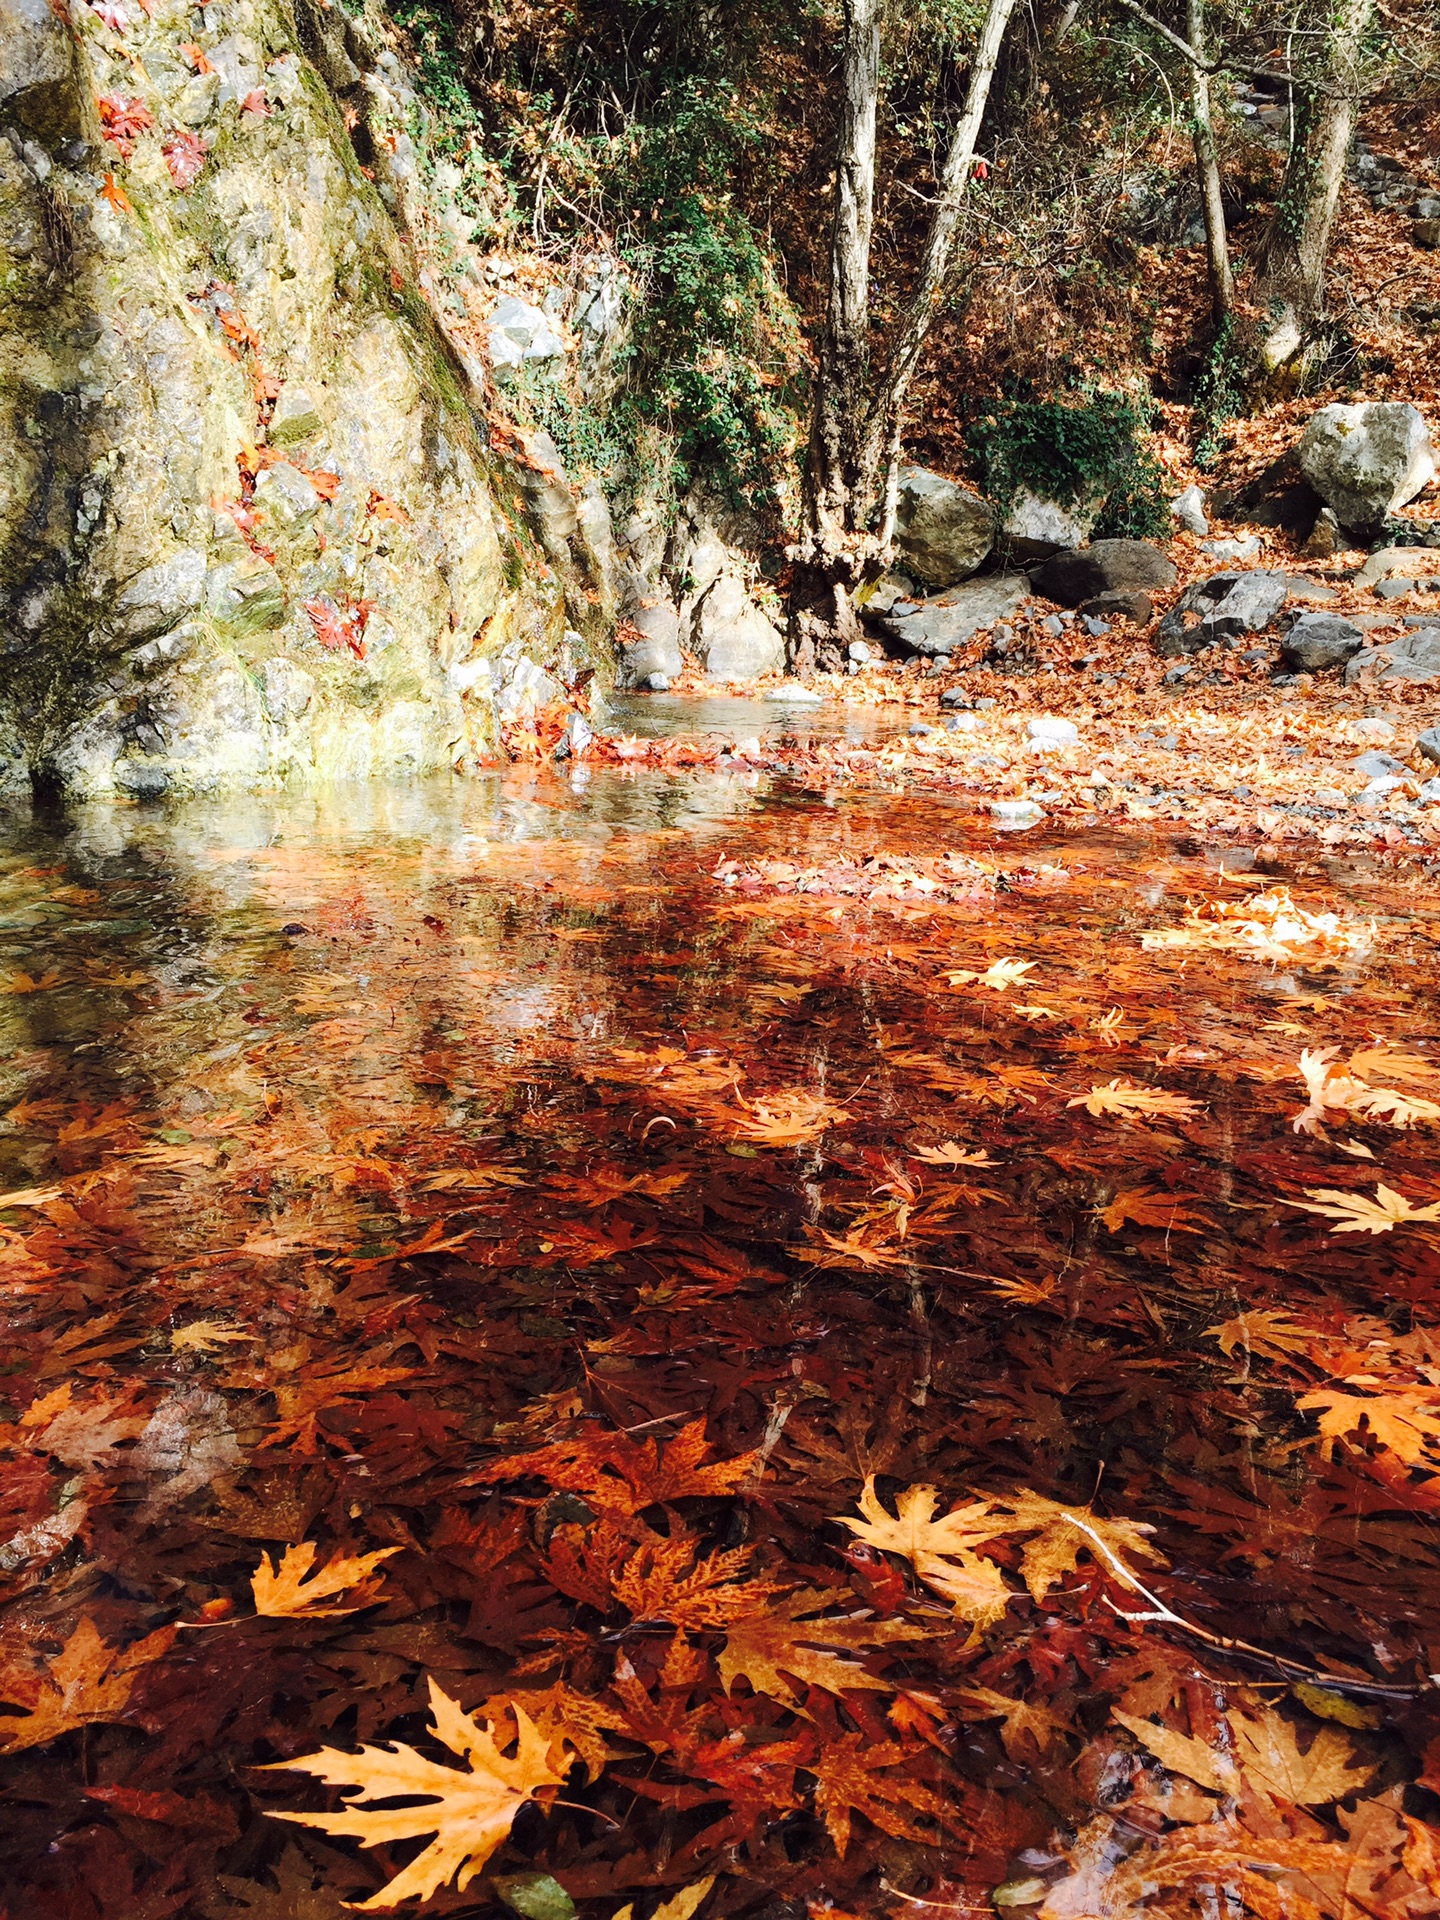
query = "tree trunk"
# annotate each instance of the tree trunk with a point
(849, 434)
(1207, 165)
(824, 561)
(1296, 245)
(887, 419)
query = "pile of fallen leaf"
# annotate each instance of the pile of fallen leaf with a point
(791, 1362)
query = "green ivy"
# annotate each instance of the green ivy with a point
(1219, 393)
(1092, 446)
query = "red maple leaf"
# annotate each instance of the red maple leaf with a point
(255, 103)
(123, 121)
(184, 155)
(335, 628)
(116, 195)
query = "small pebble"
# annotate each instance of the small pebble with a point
(963, 723)
(1045, 731)
(1330, 797)
(657, 683)
(1375, 764)
(1095, 626)
(985, 702)
(859, 651)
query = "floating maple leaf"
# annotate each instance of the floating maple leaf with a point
(1336, 1089)
(1146, 1207)
(1125, 1097)
(1268, 1749)
(853, 1775)
(288, 1590)
(1406, 1421)
(948, 1154)
(791, 1118)
(1270, 1332)
(1000, 975)
(785, 1639)
(184, 153)
(206, 1336)
(1355, 1213)
(1207, 1766)
(469, 1811)
(941, 1551)
(86, 1682)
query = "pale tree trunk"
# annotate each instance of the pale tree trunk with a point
(887, 419)
(1297, 243)
(1207, 158)
(1207, 165)
(833, 484)
(850, 435)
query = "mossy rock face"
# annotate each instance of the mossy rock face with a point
(241, 480)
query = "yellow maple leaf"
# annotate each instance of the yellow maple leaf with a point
(950, 1154)
(1268, 1331)
(1405, 1422)
(470, 1811)
(1267, 1747)
(1024, 1724)
(1062, 1533)
(1124, 1097)
(1354, 1213)
(790, 1118)
(284, 1592)
(86, 1682)
(941, 1551)
(205, 1336)
(781, 1641)
(1000, 975)
(680, 1906)
(1181, 1754)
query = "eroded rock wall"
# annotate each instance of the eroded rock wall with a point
(250, 527)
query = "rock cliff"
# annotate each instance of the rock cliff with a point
(251, 525)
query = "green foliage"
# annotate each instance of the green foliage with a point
(718, 341)
(1069, 450)
(1219, 393)
(432, 34)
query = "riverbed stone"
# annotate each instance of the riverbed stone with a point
(939, 626)
(942, 529)
(1187, 510)
(1428, 744)
(1223, 607)
(1412, 658)
(1105, 566)
(1367, 459)
(1318, 641)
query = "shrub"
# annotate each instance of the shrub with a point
(1074, 449)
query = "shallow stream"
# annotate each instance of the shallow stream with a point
(585, 1187)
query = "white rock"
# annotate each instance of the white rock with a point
(1187, 510)
(1047, 732)
(1366, 460)
(520, 332)
(1430, 793)
(859, 652)
(1013, 816)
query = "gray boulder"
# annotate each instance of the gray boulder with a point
(943, 530)
(1318, 641)
(1134, 607)
(934, 627)
(1221, 608)
(1034, 527)
(1106, 566)
(657, 648)
(37, 88)
(1187, 510)
(732, 636)
(1413, 658)
(1428, 744)
(159, 598)
(1368, 459)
